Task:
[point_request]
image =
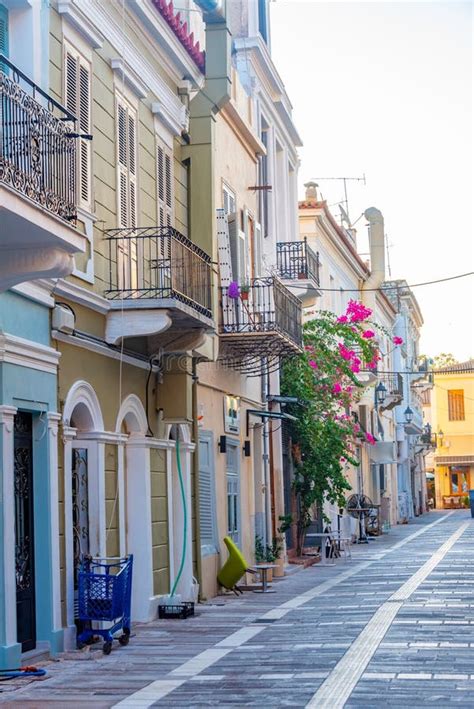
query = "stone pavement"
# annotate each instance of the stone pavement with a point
(393, 627)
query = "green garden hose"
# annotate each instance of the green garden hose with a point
(185, 522)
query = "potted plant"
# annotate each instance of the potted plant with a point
(244, 291)
(264, 555)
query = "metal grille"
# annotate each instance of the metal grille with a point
(296, 261)
(37, 145)
(158, 262)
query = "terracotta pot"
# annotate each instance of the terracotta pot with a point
(280, 570)
(244, 295)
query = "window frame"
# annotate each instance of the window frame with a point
(456, 408)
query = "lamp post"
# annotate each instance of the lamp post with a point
(439, 439)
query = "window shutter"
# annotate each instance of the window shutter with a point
(3, 33)
(234, 246)
(206, 493)
(77, 90)
(127, 165)
(257, 251)
(164, 184)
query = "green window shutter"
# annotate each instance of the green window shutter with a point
(3, 30)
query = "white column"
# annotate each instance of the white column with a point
(70, 632)
(8, 532)
(53, 421)
(169, 495)
(121, 499)
(139, 529)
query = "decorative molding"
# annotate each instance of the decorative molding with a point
(69, 10)
(138, 64)
(133, 406)
(38, 291)
(175, 121)
(82, 296)
(100, 349)
(123, 72)
(81, 392)
(26, 353)
(104, 436)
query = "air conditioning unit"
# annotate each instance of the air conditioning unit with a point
(63, 320)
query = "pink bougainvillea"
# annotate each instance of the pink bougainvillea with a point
(357, 312)
(342, 319)
(337, 388)
(312, 364)
(398, 340)
(368, 334)
(370, 439)
(345, 352)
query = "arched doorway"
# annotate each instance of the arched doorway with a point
(84, 500)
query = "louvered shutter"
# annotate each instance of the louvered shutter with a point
(206, 493)
(257, 251)
(164, 184)
(3, 34)
(122, 165)
(85, 146)
(234, 246)
(77, 90)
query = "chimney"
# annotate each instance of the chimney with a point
(311, 191)
(377, 246)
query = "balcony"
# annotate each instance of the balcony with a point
(393, 384)
(264, 324)
(159, 288)
(37, 182)
(298, 268)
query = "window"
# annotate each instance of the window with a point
(456, 404)
(233, 491)
(459, 479)
(228, 200)
(77, 93)
(164, 184)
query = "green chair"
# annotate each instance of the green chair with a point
(234, 568)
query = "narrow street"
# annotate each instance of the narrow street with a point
(394, 626)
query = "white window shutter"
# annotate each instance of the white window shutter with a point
(127, 165)
(257, 251)
(164, 185)
(77, 98)
(234, 246)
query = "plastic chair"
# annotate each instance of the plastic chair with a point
(234, 568)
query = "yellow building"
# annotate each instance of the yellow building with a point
(453, 424)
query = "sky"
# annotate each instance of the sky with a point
(385, 89)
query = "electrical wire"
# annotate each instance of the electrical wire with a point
(384, 289)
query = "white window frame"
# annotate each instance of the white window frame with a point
(165, 195)
(129, 176)
(228, 198)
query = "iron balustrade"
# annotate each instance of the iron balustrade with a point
(158, 262)
(296, 260)
(269, 307)
(393, 383)
(37, 143)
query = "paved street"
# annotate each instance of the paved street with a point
(392, 627)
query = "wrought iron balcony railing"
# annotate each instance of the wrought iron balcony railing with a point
(265, 322)
(37, 143)
(393, 383)
(158, 263)
(297, 261)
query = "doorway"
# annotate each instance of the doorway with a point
(24, 531)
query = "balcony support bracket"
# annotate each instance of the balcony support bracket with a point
(135, 323)
(18, 265)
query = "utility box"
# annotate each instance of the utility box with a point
(63, 320)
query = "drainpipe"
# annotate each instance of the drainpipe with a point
(377, 253)
(194, 399)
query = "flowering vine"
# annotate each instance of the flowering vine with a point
(324, 379)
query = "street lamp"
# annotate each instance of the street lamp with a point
(380, 394)
(440, 437)
(408, 415)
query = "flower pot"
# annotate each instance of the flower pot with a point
(280, 568)
(244, 295)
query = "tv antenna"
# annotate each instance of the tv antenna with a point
(344, 180)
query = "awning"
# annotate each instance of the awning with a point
(383, 452)
(261, 413)
(454, 460)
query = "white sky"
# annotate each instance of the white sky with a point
(385, 89)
